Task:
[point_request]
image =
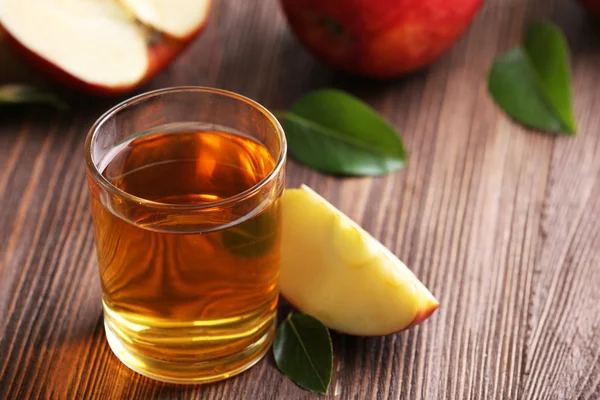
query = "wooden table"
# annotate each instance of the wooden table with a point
(502, 224)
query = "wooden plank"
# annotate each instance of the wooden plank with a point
(501, 223)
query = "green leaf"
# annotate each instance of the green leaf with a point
(303, 352)
(254, 237)
(20, 94)
(532, 82)
(333, 132)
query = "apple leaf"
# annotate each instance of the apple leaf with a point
(303, 352)
(532, 82)
(254, 237)
(20, 94)
(334, 132)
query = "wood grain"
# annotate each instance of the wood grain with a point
(502, 224)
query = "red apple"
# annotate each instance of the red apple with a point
(102, 46)
(379, 38)
(592, 5)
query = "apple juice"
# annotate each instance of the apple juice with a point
(178, 290)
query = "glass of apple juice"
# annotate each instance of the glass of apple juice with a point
(185, 185)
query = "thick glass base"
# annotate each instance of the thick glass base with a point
(193, 373)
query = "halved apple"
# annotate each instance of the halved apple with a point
(102, 46)
(335, 271)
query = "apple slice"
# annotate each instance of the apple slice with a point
(100, 46)
(178, 19)
(335, 271)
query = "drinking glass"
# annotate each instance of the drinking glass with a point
(185, 185)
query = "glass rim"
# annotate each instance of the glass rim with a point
(98, 177)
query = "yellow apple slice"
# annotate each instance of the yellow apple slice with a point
(335, 271)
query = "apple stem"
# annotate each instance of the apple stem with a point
(332, 25)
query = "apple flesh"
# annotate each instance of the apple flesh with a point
(101, 46)
(379, 38)
(179, 19)
(335, 271)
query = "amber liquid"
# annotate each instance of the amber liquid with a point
(188, 298)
